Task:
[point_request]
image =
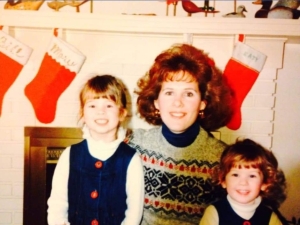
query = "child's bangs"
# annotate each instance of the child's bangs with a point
(97, 95)
(246, 164)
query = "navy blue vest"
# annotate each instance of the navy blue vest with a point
(97, 189)
(227, 216)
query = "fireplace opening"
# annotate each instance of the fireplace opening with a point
(43, 146)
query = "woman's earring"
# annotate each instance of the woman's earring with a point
(201, 114)
(157, 113)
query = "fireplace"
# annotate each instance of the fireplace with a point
(43, 146)
(127, 34)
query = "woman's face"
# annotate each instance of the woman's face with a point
(179, 103)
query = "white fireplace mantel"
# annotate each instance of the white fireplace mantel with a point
(287, 28)
(109, 34)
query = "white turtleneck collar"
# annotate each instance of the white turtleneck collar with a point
(100, 149)
(245, 211)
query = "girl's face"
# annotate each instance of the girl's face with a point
(179, 103)
(102, 116)
(244, 184)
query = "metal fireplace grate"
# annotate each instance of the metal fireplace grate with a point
(43, 146)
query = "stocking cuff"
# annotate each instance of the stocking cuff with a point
(14, 49)
(66, 54)
(249, 56)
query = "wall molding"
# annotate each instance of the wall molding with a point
(288, 28)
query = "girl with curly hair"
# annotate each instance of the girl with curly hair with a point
(254, 184)
(185, 96)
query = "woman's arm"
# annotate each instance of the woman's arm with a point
(135, 192)
(58, 201)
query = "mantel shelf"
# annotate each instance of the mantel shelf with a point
(288, 28)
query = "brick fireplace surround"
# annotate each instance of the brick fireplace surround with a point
(125, 46)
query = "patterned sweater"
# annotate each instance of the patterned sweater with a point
(177, 180)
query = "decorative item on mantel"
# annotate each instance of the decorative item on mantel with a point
(285, 9)
(264, 10)
(56, 4)
(191, 7)
(174, 3)
(23, 4)
(140, 14)
(239, 12)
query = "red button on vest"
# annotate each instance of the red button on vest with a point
(94, 194)
(98, 164)
(95, 222)
(246, 223)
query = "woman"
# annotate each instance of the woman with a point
(186, 96)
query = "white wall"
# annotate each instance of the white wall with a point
(286, 142)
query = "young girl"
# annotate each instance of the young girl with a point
(99, 180)
(251, 177)
(185, 95)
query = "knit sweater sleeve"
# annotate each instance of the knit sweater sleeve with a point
(135, 192)
(58, 201)
(210, 216)
(274, 220)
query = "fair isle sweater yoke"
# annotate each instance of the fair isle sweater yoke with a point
(177, 180)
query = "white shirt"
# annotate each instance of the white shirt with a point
(211, 216)
(58, 201)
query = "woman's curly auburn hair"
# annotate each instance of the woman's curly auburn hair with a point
(196, 66)
(249, 154)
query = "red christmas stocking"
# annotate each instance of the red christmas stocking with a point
(242, 71)
(59, 67)
(13, 56)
